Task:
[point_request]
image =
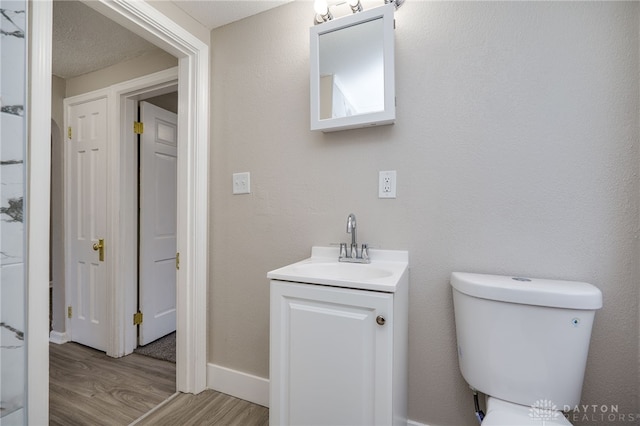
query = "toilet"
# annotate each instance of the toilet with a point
(523, 342)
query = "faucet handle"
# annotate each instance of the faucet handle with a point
(365, 252)
(343, 250)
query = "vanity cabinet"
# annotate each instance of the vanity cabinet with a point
(338, 355)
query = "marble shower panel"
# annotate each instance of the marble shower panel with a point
(12, 231)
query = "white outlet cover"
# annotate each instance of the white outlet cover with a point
(387, 184)
(241, 183)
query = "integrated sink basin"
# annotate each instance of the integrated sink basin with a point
(344, 271)
(386, 270)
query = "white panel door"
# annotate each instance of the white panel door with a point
(158, 208)
(86, 188)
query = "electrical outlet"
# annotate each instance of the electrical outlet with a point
(387, 184)
(242, 183)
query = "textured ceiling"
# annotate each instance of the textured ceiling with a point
(85, 41)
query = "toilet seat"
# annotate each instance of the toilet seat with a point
(503, 413)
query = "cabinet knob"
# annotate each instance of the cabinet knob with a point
(380, 320)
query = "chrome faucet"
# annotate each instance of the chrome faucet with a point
(351, 228)
(352, 255)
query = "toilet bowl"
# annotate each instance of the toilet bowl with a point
(503, 413)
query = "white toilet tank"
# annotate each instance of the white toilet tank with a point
(524, 340)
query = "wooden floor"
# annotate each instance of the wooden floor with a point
(86, 387)
(208, 408)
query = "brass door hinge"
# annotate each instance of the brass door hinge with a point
(69, 132)
(137, 318)
(138, 127)
(178, 261)
(69, 311)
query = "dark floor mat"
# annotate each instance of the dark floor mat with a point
(163, 348)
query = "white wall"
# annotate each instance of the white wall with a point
(516, 148)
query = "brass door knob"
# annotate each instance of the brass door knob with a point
(99, 246)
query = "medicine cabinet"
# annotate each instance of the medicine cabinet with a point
(352, 77)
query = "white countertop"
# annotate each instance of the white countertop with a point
(384, 273)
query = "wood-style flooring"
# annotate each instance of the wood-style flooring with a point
(208, 408)
(86, 387)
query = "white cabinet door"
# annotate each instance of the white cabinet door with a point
(331, 362)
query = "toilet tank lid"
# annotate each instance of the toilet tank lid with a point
(529, 291)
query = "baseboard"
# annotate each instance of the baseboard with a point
(246, 386)
(58, 337)
(236, 383)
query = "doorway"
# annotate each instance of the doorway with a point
(157, 206)
(159, 88)
(149, 176)
(115, 378)
(193, 54)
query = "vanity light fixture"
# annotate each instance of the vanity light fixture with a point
(323, 14)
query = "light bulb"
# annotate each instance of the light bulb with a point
(355, 6)
(321, 7)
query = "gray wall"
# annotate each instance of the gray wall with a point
(149, 63)
(516, 148)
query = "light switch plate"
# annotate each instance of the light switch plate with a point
(241, 183)
(387, 184)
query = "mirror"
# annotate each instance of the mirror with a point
(352, 71)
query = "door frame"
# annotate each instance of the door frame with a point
(193, 158)
(37, 213)
(126, 96)
(121, 244)
(150, 142)
(193, 195)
